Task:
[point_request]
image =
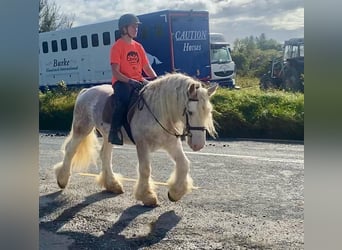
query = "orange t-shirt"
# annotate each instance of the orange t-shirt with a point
(130, 57)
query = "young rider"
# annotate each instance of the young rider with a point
(128, 60)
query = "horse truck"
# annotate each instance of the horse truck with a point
(175, 41)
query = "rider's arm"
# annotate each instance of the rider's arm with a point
(149, 71)
(117, 74)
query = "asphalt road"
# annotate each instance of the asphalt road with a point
(251, 196)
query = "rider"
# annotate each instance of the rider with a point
(128, 59)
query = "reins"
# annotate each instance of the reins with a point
(187, 128)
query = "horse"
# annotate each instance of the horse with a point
(172, 107)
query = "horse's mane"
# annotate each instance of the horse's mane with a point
(168, 95)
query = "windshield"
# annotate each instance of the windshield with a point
(292, 51)
(301, 50)
(220, 54)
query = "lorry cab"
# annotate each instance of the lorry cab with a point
(222, 65)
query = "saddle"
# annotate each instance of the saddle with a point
(108, 111)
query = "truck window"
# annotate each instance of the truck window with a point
(45, 47)
(54, 46)
(292, 51)
(117, 34)
(106, 38)
(301, 50)
(94, 40)
(84, 42)
(220, 54)
(64, 44)
(73, 42)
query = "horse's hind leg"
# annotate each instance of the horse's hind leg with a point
(63, 169)
(144, 189)
(107, 178)
(180, 181)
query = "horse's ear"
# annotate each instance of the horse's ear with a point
(192, 91)
(212, 90)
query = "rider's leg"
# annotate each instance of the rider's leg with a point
(119, 104)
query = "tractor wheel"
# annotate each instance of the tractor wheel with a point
(265, 82)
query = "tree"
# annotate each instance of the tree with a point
(50, 17)
(267, 44)
(253, 54)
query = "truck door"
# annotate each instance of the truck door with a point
(86, 69)
(190, 44)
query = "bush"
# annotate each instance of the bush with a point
(56, 108)
(251, 113)
(245, 113)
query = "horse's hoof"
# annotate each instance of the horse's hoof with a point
(152, 205)
(115, 188)
(118, 191)
(170, 198)
(60, 185)
(153, 202)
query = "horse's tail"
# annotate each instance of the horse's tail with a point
(86, 151)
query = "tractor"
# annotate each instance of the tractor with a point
(287, 72)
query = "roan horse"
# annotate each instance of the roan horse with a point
(174, 105)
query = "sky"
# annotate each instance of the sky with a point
(236, 19)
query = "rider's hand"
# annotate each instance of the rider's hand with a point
(145, 82)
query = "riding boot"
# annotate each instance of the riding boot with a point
(115, 134)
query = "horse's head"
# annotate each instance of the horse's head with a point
(199, 115)
(181, 106)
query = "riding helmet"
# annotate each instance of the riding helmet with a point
(128, 19)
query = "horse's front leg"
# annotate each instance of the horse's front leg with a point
(180, 181)
(144, 188)
(107, 178)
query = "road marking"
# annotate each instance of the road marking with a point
(131, 179)
(249, 157)
(259, 158)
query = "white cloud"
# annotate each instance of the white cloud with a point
(235, 18)
(289, 21)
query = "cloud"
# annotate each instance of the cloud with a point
(234, 18)
(289, 21)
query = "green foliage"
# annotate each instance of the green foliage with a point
(245, 113)
(267, 44)
(247, 82)
(252, 55)
(251, 113)
(56, 108)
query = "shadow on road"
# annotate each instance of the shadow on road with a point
(56, 202)
(111, 238)
(158, 229)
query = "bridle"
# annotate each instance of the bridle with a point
(187, 129)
